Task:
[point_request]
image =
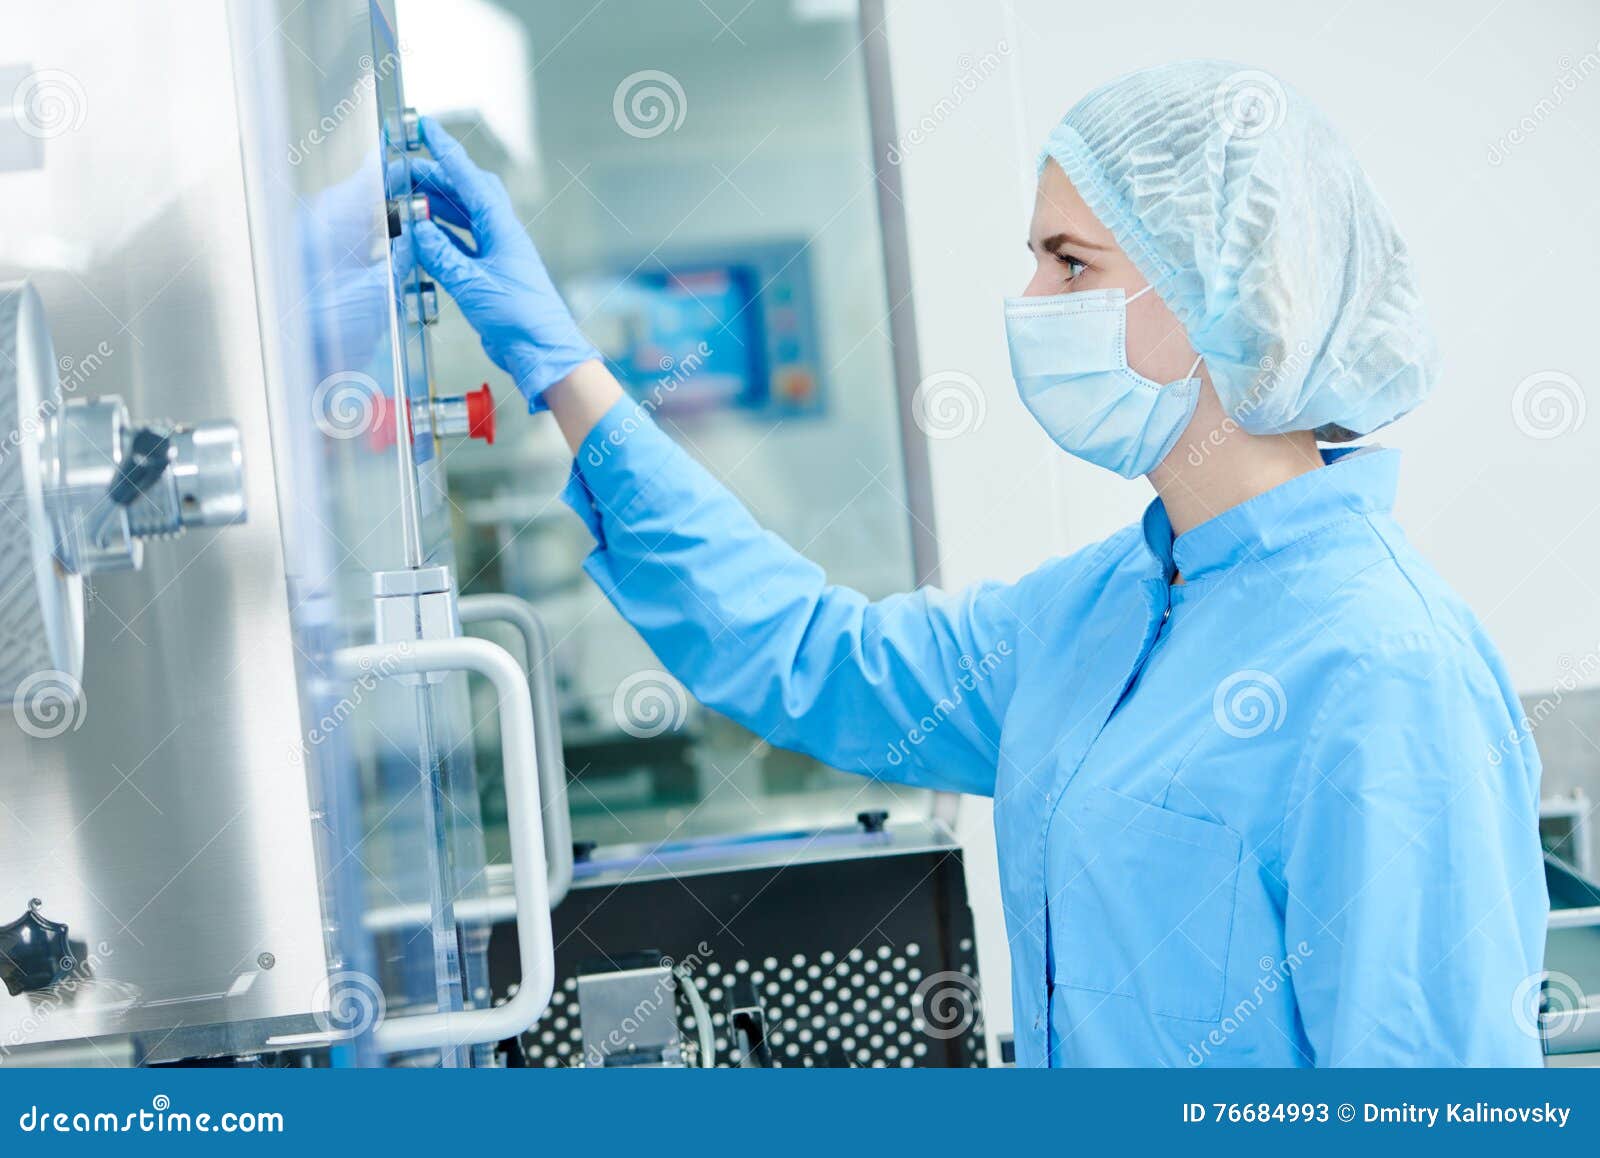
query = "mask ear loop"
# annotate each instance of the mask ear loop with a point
(1198, 358)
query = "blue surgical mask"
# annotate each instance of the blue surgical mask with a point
(1069, 355)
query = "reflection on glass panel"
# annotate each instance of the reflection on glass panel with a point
(369, 500)
(698, 177)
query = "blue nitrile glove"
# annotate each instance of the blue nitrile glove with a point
(502, 286)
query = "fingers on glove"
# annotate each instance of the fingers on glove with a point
(441, 256)
(428, 177)
(480, 194)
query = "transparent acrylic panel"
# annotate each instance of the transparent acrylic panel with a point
(699, 179)
(206, 225)
(401, 829)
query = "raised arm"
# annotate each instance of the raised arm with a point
(911, 688)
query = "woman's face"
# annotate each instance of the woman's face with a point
(1073, 252)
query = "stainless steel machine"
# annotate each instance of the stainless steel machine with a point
(241, 817)
(239, 760)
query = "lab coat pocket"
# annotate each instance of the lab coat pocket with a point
(1145, 903)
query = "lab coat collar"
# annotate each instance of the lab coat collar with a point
(1353, 481)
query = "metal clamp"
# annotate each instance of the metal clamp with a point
(520, 614)
(110, 485)
(535, 935)
(414, 604)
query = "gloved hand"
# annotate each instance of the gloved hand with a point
(501, 285)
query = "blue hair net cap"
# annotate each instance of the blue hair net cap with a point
(1248, 213)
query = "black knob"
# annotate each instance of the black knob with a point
(582, 850)
(874, 820)
(146, 461)
(34, 953)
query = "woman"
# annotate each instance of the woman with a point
(1260, 793)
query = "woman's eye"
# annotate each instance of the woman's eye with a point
(1072, 265)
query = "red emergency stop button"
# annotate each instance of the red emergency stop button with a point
(480, 414)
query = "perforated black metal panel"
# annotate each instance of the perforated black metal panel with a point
(865, 960)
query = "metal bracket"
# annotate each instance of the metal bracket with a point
(630, 1017)
(411, 606)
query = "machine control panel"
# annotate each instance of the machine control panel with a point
(732, 327)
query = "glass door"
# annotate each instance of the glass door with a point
(403, 832)
(700, 180)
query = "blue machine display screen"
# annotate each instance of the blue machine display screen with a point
(732, 328)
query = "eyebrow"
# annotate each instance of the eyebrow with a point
(1057, 241)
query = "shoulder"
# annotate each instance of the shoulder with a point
(1428, 707)
(1396, 634)
(1040, 608)
(1399, 646)
(1097, 582)
(1391, 611)
(1064, 580)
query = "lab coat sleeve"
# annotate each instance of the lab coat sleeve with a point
(1415, 897)
(910, 688)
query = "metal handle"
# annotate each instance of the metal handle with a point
(535, 936)
(519, 613)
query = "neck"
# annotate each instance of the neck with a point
(1216, 465)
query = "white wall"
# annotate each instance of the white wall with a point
(1506, 249)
